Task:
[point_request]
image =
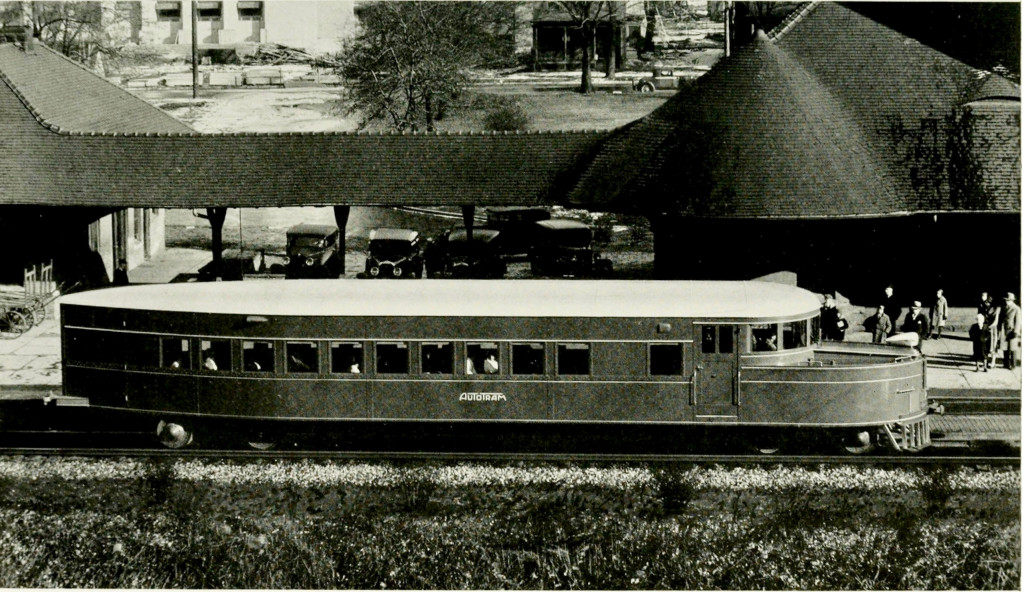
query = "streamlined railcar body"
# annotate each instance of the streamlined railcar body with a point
(305, 352)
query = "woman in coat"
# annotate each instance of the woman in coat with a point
(939, 313)
(980, 338)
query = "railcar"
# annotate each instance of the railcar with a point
(299, 354)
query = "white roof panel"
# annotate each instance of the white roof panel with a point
(490, 298)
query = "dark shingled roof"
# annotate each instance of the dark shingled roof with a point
(69, 152)
(833, 115)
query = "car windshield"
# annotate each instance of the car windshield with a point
(573, 238)
(315, 242)
(390, 248)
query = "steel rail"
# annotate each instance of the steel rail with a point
(503, 457)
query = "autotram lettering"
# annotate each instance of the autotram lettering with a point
(482, 397)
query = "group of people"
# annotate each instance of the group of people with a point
(997, 327)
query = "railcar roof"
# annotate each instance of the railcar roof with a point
(446, 298)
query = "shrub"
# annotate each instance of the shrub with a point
(506, 118)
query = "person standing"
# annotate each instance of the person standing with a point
(939, 313)
(988, 308)
(916, 322)
(979, 335)
(892, 310)
(121, 273)
(1010, 330)
(880, 325)
(833, 325)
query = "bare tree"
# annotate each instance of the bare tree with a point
(585, 16)
(83, 31)
(411, 60)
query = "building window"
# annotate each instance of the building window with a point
(168, 11)
(573, 359)
(174, 352)
(346, 358)
(250, 11)
(437, 358)
(209, 11)
(258, 356)
(393, 358)
(302, 356)
(527, 358)
(666, 359)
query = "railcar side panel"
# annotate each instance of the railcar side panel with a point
(861, 395)
(310, 398)
(161, 391)
(610, 401)
(461, 400)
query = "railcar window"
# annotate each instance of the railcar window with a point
(142, 351)
(764, 338)
(707, 340)
(258, 356)
(725, 339)
(666, 359)
(346, 358)
(392, 358)
(94, 347)
(527, 358)
(175, 353)
(437, 358)
(816, 329)
(215, 354)
(482, 358)
(573, 358)
(302, 356)
(794, 335)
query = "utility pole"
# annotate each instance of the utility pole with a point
(195, 50)
(727, 17)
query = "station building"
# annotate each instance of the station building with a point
(831, 146)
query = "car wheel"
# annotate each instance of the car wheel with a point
(646, 87)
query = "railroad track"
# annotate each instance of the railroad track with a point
(582, 458)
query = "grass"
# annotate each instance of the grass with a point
(436, 526)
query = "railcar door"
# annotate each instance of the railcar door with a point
(715, 363)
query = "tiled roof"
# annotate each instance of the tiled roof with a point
(904, 95)
(144, 160)
(833, 115)
(64, 93)
(757, 136)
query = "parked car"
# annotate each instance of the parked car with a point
(565, 248)
(661, 79)
(453, 255)
(516, 227)
(313, 251)
(394, 253)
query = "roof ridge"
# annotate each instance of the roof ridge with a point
(116, 86)
(792, 19)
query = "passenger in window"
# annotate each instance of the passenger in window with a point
(470, 368)
(491, 365)
(771, 343)
(353, 368)
(176, 364)
(208, 362)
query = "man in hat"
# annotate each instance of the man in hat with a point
(1009, 327)
(917, 322)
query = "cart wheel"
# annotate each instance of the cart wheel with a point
(17, 323)
(37, 310)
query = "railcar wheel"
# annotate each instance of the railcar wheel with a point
(765, 443)
(262, 445)
(173, 435)
(857, 443)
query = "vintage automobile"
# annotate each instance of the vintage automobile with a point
(661, 79)
(453, 255)
(517, 228)
(313, 251)
(394, 253)
(565, 248)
